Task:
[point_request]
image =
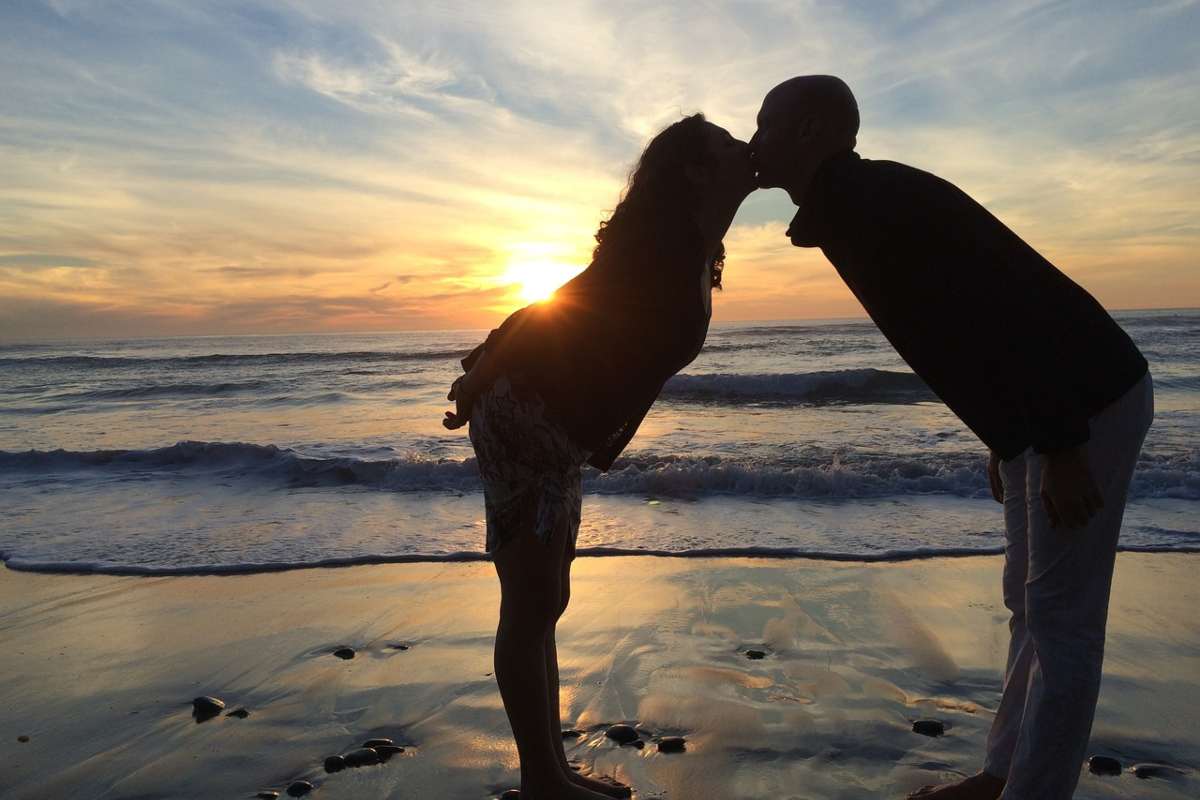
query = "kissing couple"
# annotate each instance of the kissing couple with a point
(1025, 357)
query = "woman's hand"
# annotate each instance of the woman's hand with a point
(993, 470)
(1069, 492)
(464, 398)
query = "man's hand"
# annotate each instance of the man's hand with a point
(994, 477)
(463, 400)
(1069, 492)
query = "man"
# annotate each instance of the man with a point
(1030, 362)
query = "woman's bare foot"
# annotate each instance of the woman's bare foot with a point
(567, 791)
(977, 787)
(609, 787)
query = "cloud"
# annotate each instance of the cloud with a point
(302, 150)
(236, 271)
(43, 260)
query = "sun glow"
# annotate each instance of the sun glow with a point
(537, 280)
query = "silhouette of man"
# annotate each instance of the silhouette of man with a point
(1030, 362)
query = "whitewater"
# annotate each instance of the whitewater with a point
(236, 454)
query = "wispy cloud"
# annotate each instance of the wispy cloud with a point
(305, 165)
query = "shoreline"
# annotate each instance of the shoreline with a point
(99, 672)
(753, 553)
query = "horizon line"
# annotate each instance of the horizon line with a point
(377, 331)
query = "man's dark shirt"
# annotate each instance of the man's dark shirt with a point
(1022, 354)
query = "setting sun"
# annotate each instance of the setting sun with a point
(538, 280)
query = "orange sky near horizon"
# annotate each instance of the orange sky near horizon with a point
(306, 167)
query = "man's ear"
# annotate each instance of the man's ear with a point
(808, 128)
(697, 175)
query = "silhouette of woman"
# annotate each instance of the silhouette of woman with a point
(567, 382)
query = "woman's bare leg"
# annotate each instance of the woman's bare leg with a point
(530, 596)
(609, 789)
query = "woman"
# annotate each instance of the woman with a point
(568, 381)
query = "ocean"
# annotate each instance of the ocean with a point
(239, 454)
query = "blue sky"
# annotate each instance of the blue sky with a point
(217, 167)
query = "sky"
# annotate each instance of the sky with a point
(209, 167)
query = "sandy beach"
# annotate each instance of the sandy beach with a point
(99, 672)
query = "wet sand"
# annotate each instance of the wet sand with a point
(100, 671)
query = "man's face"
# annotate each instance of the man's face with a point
(774, 146)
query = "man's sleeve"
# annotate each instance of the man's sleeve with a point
(1015, 280)
(1001, 282)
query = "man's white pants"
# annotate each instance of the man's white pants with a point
(1056, 584)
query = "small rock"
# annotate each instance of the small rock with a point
(1104, 765)
(362, 757)
(240, 713)
(335, 764)
(399, 646)
(344, 652)
(268, 794)
(1157, 771)
(377, 742)
(755, 655)
(511, 794)
(22, 738)
(571, 733)
(618, 789)
(207, 707)
(386, 751)
(929, 727)
(299, 788)
(672, 744)
(622, 734)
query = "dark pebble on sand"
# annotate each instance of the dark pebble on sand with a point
(622, 734)
(344, 652)
(207, 707)
(240, 713)
(386, 751)
(755, 655)
(362, 757)
(299, 788)
(929, 727)
(399, 646)
(267, 795)
(571, 733)
(672, 744)
(22, 738)
(1103, 765)
(335, 764)
(511, 794)
(377, 742)
(1157, 771)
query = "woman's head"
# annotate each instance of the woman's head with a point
(691, 162)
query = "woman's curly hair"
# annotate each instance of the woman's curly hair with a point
(655, 211)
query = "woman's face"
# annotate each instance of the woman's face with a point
(729, 169)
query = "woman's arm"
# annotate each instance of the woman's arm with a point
(468, 387)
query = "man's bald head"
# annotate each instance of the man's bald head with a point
(823, 98)
(802, 122)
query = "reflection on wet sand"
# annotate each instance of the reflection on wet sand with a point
(100, 672)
